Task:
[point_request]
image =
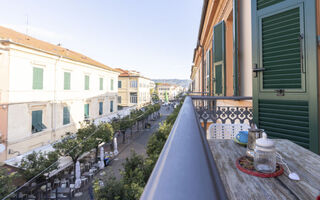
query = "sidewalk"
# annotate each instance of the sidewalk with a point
(137, 142)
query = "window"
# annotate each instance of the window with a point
(133, 97)
(111, 106)
(67, 77)
(119, 99)
(86, 111)
(100, 108)
(101, 83)
(66, 115)
(111, 86)
(86, 82)
(37, 124)
(133, 84)
(208, 65)
(119, 84)
(37, 78)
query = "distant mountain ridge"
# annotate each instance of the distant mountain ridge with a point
(182, 82)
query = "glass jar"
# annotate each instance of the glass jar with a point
(265, 155)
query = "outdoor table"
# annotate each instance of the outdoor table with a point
(88, 174)
(63, 191)
(239, 185)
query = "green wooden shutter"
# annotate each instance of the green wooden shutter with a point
(266, 3)
(66, 115)
(37, 78)
(218, 73)
(86, 82)
(67, 80)
(86, 111)
(111, 86)
(281, 50)
(219, 58)
(111, 106)
(288, 119)
(100, 108)
(37, 121)
(101, 83)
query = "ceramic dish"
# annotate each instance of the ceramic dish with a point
(238, 142)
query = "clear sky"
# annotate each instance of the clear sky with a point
(155, 37)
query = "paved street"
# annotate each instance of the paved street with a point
(138, 144)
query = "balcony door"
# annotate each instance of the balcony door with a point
(285, 70)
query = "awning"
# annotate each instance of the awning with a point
(64, 162)
(15, 161)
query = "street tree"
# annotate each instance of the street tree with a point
(34, 163)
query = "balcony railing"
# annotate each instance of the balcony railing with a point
(186, 168)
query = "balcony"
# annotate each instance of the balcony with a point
(193, 165)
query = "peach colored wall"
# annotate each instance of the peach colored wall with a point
(3, 128)
(229, 55)
(217, 11)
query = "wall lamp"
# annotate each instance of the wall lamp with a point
(13, 152)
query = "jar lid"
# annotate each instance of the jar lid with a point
(264, 143)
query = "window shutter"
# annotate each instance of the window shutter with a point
(101, 83)
(86, 82)
(67, 80)
(37, 125)
(37, 78)
(111, 86)
(281, 57)
(111, 106)
(266, 3)
(86, 111)
(66, 115)
(219, 57)
(100, 108)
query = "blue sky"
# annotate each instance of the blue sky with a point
(155, 37)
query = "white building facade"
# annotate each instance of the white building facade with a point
(43, 94)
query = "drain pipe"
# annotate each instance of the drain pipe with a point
(236, 74)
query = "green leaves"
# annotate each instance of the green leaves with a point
(36, 162)
(6, 182)
(138, 169)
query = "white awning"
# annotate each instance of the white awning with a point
(15, 161)
(64, 162)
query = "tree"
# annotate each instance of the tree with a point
(36, 162)
(113, 190)
(73, 146)
(102, 133)
(6, 182)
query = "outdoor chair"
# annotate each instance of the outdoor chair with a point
(56, 182)
(225, 131)
(31, 197)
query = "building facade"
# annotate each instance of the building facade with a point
(267, 50)
(169, 91)
(222, 57)
(134, 89)
(47, 90)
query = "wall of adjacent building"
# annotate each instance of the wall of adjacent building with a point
(23, 99)
(245, 48)
(216, 12)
